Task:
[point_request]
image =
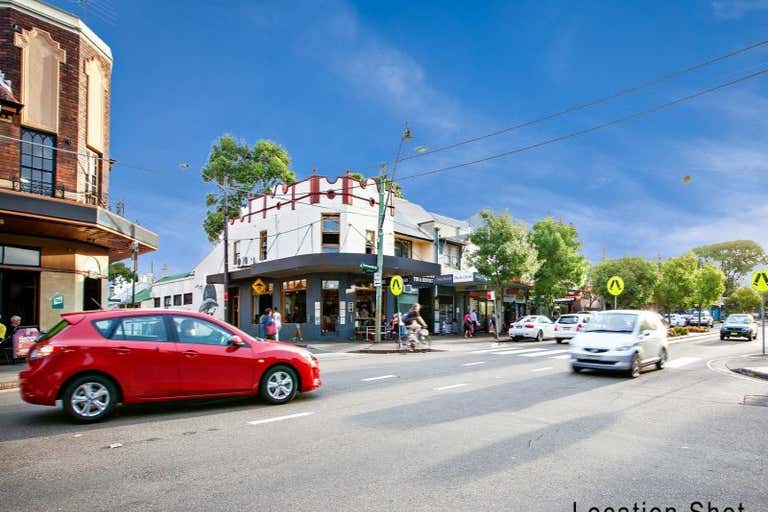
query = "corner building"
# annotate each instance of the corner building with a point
(57, 233)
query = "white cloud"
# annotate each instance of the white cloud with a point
(735, 9)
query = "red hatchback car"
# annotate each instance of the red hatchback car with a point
(94, 360)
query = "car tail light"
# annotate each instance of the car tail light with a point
(578, 327)
(44, 351)
(529, 326)
(555, 327)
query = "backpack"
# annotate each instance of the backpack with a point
(271, 327)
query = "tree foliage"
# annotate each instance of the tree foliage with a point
(743, 300)
(563, 267)
(735, 258)
(120, 269)
(640, 277)
(677, 282)
(710, 285)
(504, 251)
(242, 170)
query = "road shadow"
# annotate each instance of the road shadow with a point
(522, 448)
(40, 421)
(505, 397)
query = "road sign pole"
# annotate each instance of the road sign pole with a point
(762, 317)
(615, 302)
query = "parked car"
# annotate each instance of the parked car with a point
(739, 326)
(704, 319)
(677, 320)
(537, 327)
(620, 340)
(568, 325)
(94, 360)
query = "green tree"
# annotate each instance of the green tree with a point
(397, 190)
(504, 252)
(743, 300)
(735, 258)
(677, 282)
(563, 267)
(640, 277)
(710, 286)
(242, 170)
(120, 269)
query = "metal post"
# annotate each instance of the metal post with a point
(380, 254)
(226, 256)
(135, 249)
(615, 302)
(762, 317)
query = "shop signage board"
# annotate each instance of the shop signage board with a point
(259, 287)
(342, 316)
(23, 339)
(317, 312)
(57, 301)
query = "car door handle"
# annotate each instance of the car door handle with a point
(190, 353)
(121, 350)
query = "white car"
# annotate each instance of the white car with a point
(676, 320)
(703, 320)
(568, 325)
(621, 340)
(536, 327)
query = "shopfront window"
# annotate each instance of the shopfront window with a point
(330, 307)
(259, 303)
(295, 301)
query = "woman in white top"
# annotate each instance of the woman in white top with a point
(278, 319)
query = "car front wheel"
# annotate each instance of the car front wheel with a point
(90, 398)
(279, 385)
(539, 336)
(662, 359)
(634, 371)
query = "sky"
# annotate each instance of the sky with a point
(334, 82)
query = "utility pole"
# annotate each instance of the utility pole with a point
(226, 254)
(406, 136)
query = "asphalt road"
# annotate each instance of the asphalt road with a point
(507, 428)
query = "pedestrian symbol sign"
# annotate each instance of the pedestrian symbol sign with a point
(615, 285)
(760, 281)
(396, 285)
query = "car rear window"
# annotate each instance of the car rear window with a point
(106, 326)
(568, 319)
(55, 330)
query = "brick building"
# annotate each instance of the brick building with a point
(57, 234)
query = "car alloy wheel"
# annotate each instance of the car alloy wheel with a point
(662, 359)
(539, 336)
(634, 371)
(279, 385)
(90, 398)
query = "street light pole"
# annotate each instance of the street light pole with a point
(406, 136)
(135, 250)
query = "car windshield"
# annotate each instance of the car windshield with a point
(612, 322)
(529, 319)
(568, 319)
(738, 319)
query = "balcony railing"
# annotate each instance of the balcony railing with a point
(44, 188)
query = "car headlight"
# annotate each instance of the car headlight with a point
(309, 356)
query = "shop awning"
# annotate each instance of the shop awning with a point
(304, 264)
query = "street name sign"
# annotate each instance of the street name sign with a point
(760, 281)
(615, 285)
(396, 285)
(368, 269)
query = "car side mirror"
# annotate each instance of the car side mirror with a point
(236, 341)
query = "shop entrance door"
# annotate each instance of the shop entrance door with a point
(329, 302)
(19, 292)
(91, 294)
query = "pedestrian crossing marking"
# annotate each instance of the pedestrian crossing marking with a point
(508, 352)
(683, 361)
(545, 353)
(564, 356)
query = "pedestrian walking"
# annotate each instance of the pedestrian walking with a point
(278, 319)
(269, 324)
(473, 319)
(493, 326)
(469, 328)
(297, 320)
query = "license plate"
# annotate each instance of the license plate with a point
(566, 328)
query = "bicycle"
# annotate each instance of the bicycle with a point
(410, 340)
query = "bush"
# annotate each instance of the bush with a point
(694, 328)
(677, 331)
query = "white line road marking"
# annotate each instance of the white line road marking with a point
(452, 386)
(281, 418)
(508, 352)
(327, 355)
(474, 364)
(564, 356)
(682, 361)
(490, 350)
(546, 353)
(370, 379)
(542, 369)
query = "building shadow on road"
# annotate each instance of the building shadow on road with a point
(505, 397)
(40, 421)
